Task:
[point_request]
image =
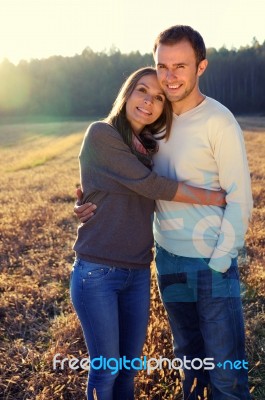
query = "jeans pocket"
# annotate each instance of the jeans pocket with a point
(93, 271)
(232, 272)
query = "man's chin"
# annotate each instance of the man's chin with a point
(173, 98)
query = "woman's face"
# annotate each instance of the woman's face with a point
(145, 104)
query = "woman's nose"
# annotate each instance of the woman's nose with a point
(148, 99)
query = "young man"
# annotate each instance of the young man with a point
(196, 246)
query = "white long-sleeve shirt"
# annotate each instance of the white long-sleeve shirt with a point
(205, 149)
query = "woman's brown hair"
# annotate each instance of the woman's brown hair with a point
(117, 115)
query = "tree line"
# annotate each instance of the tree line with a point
(86, 84)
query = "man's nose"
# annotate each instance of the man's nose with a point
(170, 75)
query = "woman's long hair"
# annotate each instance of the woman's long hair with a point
(117, 118)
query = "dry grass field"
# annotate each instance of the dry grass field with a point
(38, 176)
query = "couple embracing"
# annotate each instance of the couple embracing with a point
(168, 163)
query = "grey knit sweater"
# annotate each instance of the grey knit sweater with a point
(120, 233)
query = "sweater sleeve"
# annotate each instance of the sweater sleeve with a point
(105, 156)
(231, 159)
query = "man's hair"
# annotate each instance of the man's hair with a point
(179, 33)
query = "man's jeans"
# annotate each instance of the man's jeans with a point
(205, 315)
(113, 307)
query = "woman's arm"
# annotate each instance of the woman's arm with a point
(184, 194)
(194, 195)
(111, 161)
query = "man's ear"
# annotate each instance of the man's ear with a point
(202, 67)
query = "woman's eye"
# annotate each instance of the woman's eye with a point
(143, 90)
(159, 98)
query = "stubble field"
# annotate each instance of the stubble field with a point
(38, 176)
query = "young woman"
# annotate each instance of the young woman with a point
(110, 281)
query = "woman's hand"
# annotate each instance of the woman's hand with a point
(83, 211)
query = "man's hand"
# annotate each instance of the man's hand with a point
(85, 211)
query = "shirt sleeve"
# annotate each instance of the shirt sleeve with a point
(231, 159)
(111, 161)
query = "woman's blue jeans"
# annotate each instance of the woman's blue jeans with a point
(113, 307)
(205, 314)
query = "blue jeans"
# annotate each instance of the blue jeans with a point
(113, 307)
(205, 315)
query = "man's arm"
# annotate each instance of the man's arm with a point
(230, 155)
(83, 211)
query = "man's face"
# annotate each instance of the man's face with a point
(177, 71)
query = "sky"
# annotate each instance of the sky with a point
(32, 29)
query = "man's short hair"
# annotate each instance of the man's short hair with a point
(179, 33)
